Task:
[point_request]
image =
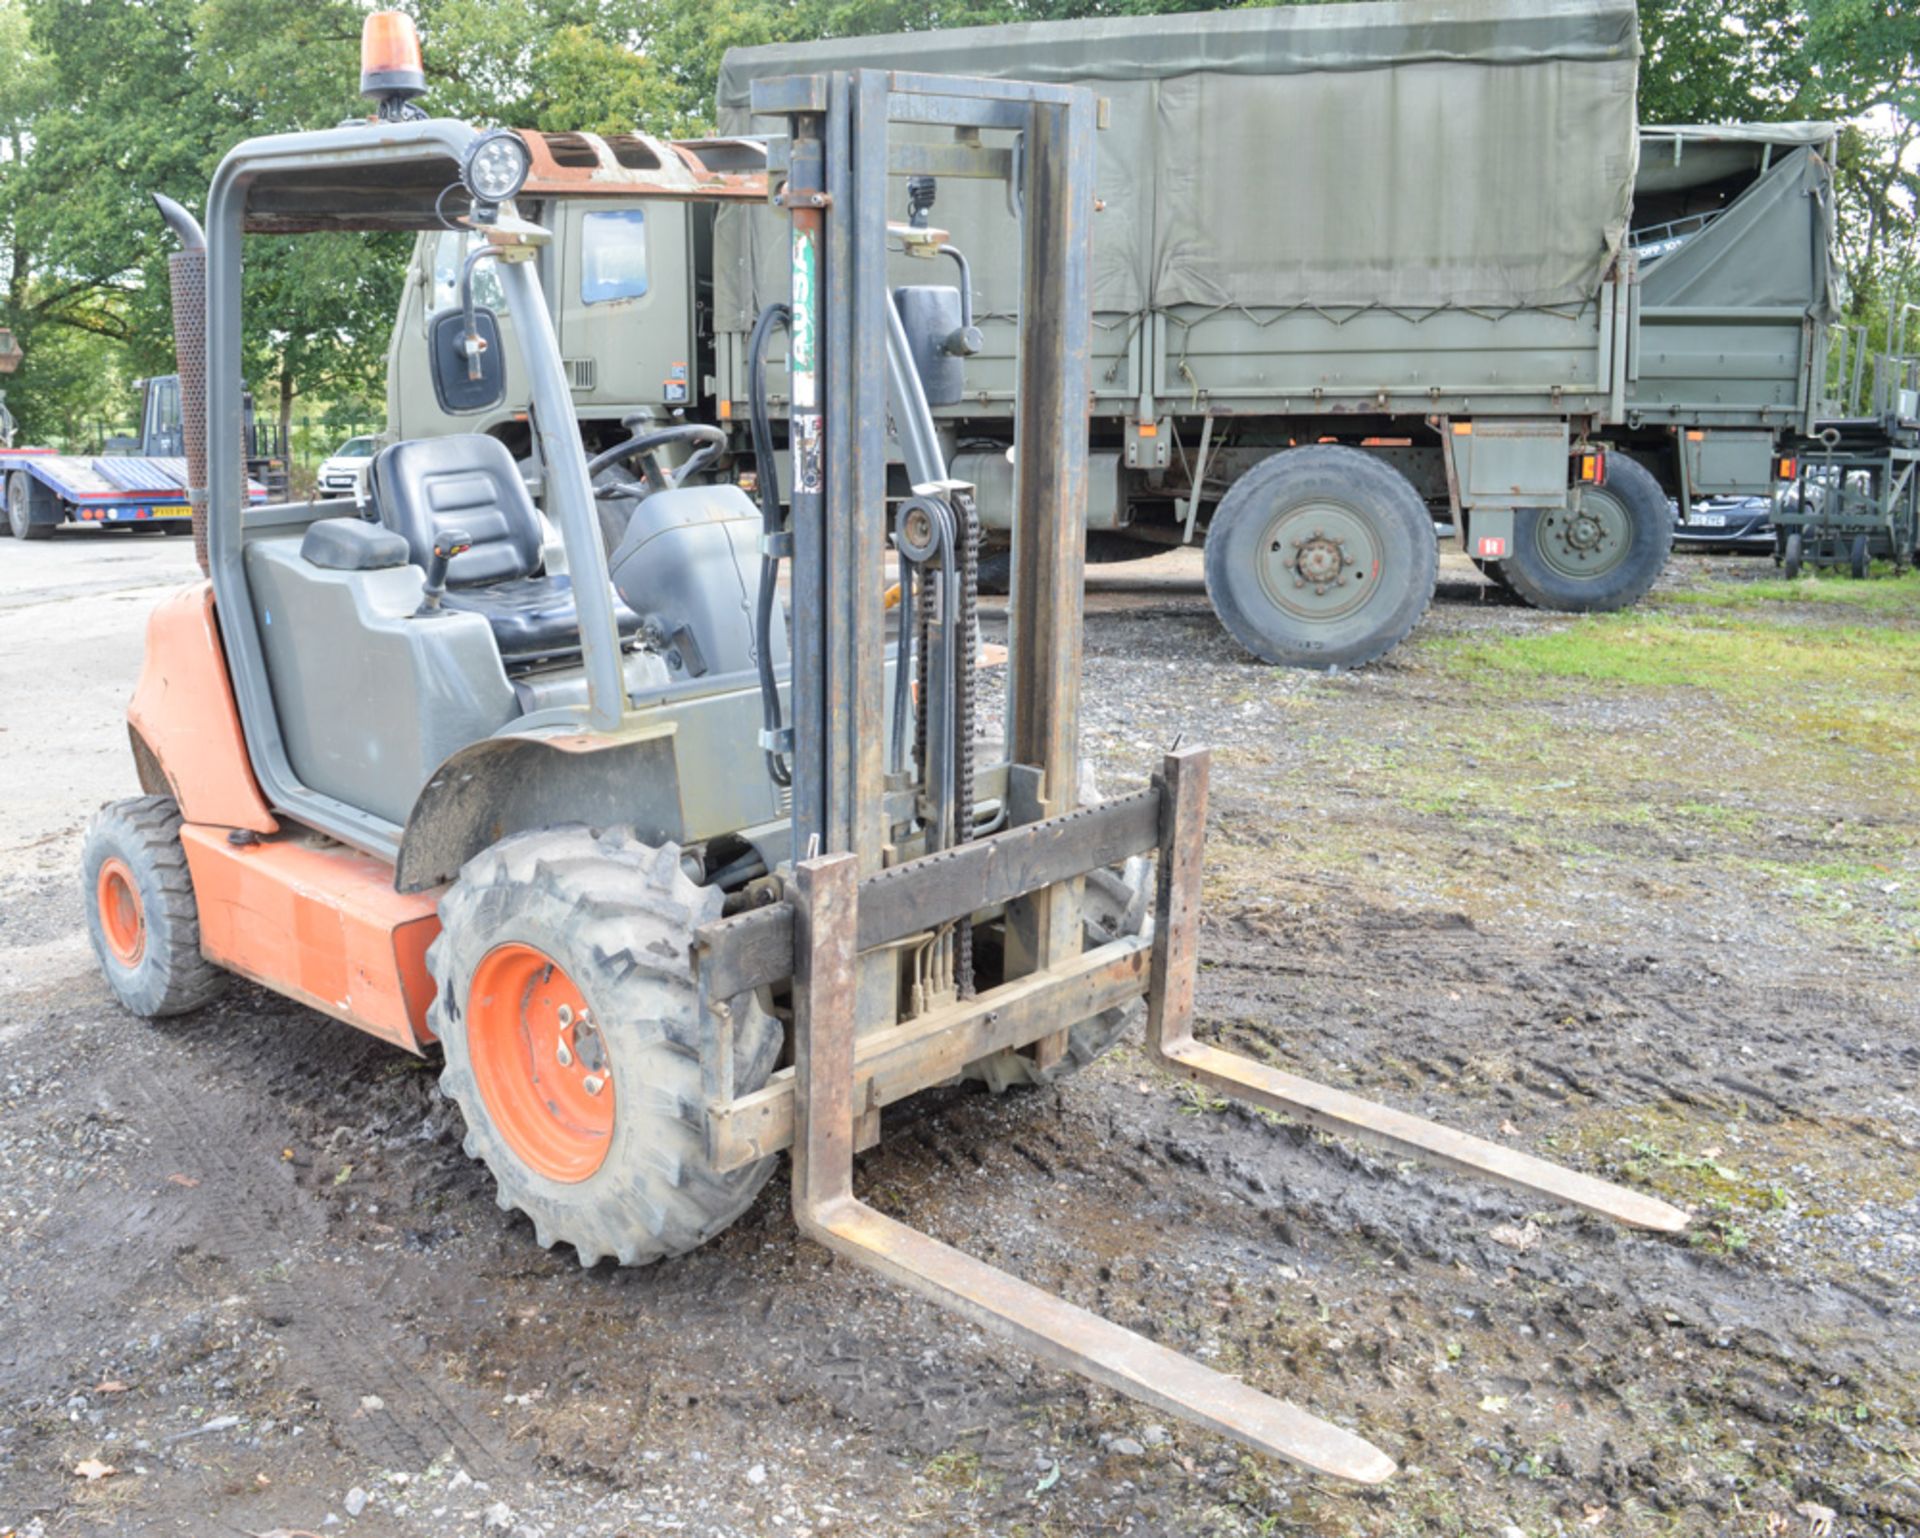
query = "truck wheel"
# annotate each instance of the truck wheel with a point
(141, 914)
(1321, 557)
(20, 508)
(570, 1020)
(1604, 557)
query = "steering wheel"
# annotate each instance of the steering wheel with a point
(711, 440)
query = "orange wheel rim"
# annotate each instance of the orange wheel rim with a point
(123, 922)
(540, 1061)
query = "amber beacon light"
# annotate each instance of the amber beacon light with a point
(390, 69)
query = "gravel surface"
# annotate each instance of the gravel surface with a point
(247, 1269)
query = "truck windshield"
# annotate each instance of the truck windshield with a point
(448, 253)
(613, 255)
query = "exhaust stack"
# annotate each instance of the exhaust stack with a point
(187, 268)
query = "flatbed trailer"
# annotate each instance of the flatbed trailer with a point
(45, 489)
(141, 481)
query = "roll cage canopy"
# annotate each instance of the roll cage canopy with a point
(406, 176)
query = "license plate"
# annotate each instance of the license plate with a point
(1708, 520)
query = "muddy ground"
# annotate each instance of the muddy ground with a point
(1640, 894)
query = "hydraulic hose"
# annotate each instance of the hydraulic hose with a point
(767, 467)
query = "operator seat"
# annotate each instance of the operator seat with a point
(469, 483)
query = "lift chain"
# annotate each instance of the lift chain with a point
(967, 521)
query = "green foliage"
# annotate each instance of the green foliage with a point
(102, 103)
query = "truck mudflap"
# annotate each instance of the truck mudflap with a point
(828, 1104)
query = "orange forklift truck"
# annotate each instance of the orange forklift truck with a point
(677, 871)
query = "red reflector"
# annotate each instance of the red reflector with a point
(1491, 546)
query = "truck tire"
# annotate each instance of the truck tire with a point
(20, 508)
(141, 914)
(1604, 558)
(571, 1023)
(1329, 513)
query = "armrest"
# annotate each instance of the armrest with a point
(352, 544)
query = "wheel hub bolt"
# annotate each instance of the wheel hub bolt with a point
(592, 1084)
(565, 1056)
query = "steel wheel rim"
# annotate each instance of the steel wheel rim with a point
(1589, 542)
(123, 918)
(1320, 560)
(539, 1061)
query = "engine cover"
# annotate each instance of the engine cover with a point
(689, 566)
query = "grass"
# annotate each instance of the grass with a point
(1854, 686)
(1895, 596)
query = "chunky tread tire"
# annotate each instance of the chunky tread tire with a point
(995, 573)
(1632, 487)
(171, 977)
(618, 916)
(1344, 477)
(1115, 903)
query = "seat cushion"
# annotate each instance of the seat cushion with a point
(532, 618)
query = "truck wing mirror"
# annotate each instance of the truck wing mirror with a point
(469, 369)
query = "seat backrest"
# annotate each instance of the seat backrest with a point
(467, 482)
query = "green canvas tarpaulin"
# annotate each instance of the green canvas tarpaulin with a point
(1418, 156)
(1772, 246)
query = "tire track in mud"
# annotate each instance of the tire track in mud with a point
(339, 1349)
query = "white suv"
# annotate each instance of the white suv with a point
(344, 472)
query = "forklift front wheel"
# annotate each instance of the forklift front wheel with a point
(141, 914)
(567, 1008)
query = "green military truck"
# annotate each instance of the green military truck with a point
(1361, 272)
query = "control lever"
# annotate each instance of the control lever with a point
(446, 545)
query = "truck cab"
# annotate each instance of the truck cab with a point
(632, 266)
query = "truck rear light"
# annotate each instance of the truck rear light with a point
(1786, 467)
(1590, 467)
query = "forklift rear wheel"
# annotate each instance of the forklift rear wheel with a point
(571, 1023)
(1796, 553)
(1602, 557)
(1321, 557)
(20, 508)
(141, 914)
(1859, 563)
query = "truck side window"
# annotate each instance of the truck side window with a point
(613, 255)
(448, 253)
